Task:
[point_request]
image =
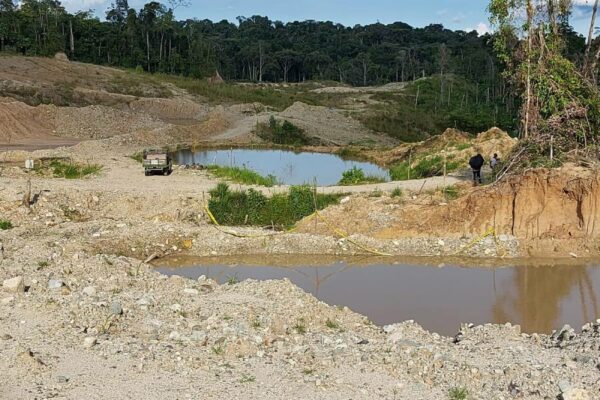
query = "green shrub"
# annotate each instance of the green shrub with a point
(242, 175)
(458, 394)
(284, 133)
(424, 168)
(356, 176)
(251, 207)
(397, 192)
(73, 170)
(451, 192)
(5, 225)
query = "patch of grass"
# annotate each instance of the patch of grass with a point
(139, 157)
(397, 192)
(62, 169)
(308, 371)
(332, 324)
(253, 208)
(5, 225)
(376, 193)
(283, 133)
(43, 264)
(247, 378)
(463, 146)
(218, 350)
(300, 328)
(423, 168)
(233, 280)
(356, 176)
(256, 324)
(242, 175)
(458, 394)
(451, 192)
(278, 98)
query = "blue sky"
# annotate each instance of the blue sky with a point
(454, 14)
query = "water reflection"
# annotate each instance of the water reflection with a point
(540, 298)
(289, 167)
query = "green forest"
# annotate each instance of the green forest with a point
(473, 80)
(255, 49)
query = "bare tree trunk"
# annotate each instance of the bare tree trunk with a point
(594, 66)
(529, 48)
(148, 49)
(261, 61)
(586, 61)
(71, 38)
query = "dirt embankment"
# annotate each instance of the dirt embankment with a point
(552, 211)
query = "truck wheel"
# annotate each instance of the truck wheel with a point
(146, 173)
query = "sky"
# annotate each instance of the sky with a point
(453, 14)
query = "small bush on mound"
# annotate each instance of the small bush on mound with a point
(253, 208)
(242, 175)
(5, 225)
(356, 176)
(73, 171)
(284, 133)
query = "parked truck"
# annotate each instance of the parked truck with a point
(157, 161)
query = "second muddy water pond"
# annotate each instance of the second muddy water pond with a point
(538, 297)
(290, 168)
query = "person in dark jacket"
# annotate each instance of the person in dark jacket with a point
(476, 164)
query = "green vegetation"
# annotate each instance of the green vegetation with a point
(218, 350)
(242, 175)
(5, 225)
(429, 106)
(253, 208)
(284, 133)
(451, 192)
(300, 328)
(458, 394)
(332, 324)
(356, 176)
(555, 77)
(424, 168)
(247, 378)
(397, 192)
(73, 170)
(232, 280)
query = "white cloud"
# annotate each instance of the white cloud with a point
(78, 5)
(482, 28)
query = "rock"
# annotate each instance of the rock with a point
(576, 394)
(89, 342)
(116, 308)
(62, 379)
(7, 300)
(55, 284)
(198, 336)
(174, 335)
(89, 291)
(345, 200)
(14, 285)
(5, 336)
(190, 291)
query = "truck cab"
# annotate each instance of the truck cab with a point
(157, 161)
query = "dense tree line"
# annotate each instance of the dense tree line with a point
(254, 49)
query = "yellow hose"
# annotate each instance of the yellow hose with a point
(315, 214)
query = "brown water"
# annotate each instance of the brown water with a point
(539, 296)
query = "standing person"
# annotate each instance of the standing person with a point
(476, 164)
(494, 161)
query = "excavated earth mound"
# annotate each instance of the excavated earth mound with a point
(554, 211)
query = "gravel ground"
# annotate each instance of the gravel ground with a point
(83, 316)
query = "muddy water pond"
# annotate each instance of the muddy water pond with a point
(538, 296)
(290, 168)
